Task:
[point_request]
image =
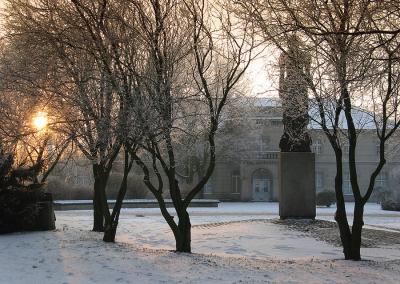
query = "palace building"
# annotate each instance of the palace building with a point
(247, 160)
(247, 166)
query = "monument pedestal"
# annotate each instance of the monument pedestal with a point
(297, 185)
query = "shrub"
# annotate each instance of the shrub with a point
(391, 205)
(326, 198)
(136, 187)
(18, 209)
(379, 195)
(23, 203)
(63, 191)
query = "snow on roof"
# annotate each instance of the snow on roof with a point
(268, 102)
(363, 119)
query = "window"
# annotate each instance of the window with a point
(347, 184)
(262, 144)
(261, 122)
(237, 147)
(319, 181)
(81, 180)
(346, 148)
(317, 146)
(378, 148)
(235, 183)
(208, 187)
(276, 122)
(380, 180)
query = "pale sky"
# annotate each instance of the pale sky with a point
(262, 75)
(259, 74)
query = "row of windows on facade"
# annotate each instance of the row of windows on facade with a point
(262, 144)
(316, 147)
(269, 122)
(235, 185)
(319, 182)
(380, 182)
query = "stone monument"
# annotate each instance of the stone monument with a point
(296, 161)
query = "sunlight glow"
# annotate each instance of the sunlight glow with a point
(40, 120)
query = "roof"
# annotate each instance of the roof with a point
(363, 119)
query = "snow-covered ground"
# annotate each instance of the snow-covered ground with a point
(231, 244)
(374, 216)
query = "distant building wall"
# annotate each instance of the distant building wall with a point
(259, 152)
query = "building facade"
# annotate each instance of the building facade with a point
(247, 166)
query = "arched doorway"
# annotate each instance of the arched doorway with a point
(262, 185)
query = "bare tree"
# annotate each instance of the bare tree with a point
(78, 84)
(215, 55)
(36, 148)
(341, 36)
(112, 31)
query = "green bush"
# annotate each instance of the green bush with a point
(326, 198)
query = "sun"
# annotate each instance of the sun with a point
(40, 120)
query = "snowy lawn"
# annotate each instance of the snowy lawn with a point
(231, 244)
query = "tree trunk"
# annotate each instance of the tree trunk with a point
(110, 232)
(111, 227)
(351, 239)
(98, 217)
(103, 201)
(340, 215)
(183, 238)
(358, 223)
(100, 206)
(344, 230)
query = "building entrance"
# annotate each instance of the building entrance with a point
(261, 184)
